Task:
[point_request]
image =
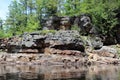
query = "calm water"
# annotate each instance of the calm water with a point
(99, 72)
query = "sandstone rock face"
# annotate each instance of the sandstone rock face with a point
(60, 48)
(50, 51)
(105, 55)
(63, 58)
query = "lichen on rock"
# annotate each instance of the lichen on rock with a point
(58, 48)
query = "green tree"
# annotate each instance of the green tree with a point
(30, 15)
(12, 19)
(45, 9)
(1, 23)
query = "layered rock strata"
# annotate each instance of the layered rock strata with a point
(59, 47)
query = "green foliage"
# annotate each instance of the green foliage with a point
(44, 32)
(117, 47)
(102, 12)
(104, 16)
(29, 15)
(1, 34)
(75, 28)
(4, 34)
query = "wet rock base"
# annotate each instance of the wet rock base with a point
(55, 59)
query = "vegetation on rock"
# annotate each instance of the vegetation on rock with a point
(30, 15)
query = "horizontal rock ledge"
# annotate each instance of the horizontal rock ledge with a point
(55, 59)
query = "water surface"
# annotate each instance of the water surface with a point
(37, 72)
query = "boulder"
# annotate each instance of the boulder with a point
(53, 22)
(3, 43)
(65, 40)
(92, 41)
(36, 42)
(27, 43)
(108, 49)
(96, 42)
(84, 23)
(65, 23)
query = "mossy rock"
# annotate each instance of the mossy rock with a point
(44, 32)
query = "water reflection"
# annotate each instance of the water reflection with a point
(23, 72)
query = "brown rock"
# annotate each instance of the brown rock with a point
(23, 59)
(29, 51)
(63, 52)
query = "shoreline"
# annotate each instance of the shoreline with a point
(54, 59)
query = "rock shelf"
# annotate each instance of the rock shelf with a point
(56, 48)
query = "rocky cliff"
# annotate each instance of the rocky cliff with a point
(57, 47)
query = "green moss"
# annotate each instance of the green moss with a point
(117, 47)
(74, 27)
(44, 32)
